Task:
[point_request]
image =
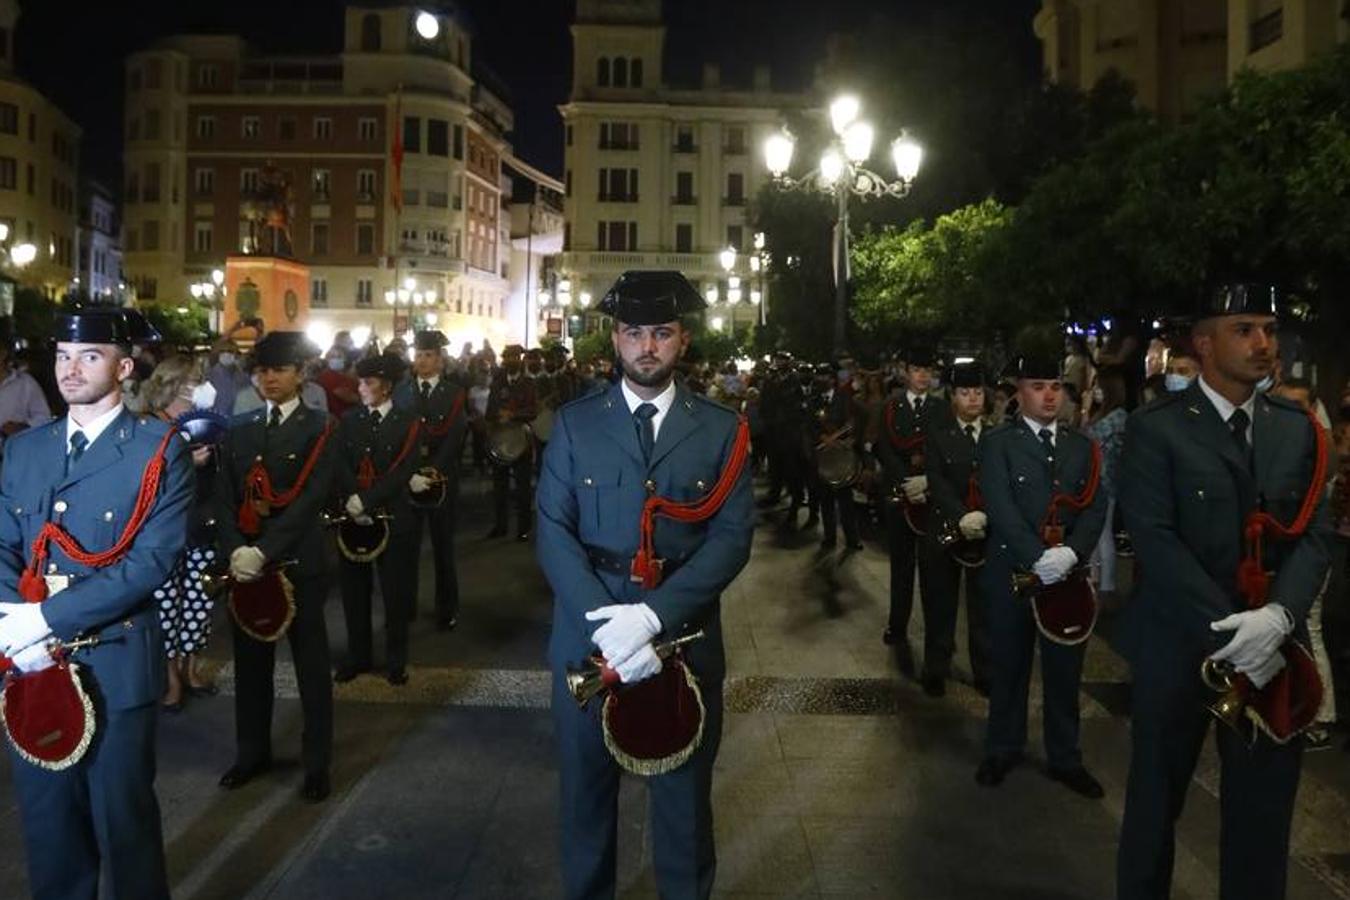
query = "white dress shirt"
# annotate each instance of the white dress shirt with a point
(433, 381)
(1037, 426)
(287, 408)
(1225, 408)
(662, 401)
(977, 424)
(93, 429)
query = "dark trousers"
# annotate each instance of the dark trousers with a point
(1013, 639)
(397, 570)
(1256, 794)
(102, 811)
(681, 805)
(836, 508)
(947, 579)
(254, 663)
(520, 472)
(907, 551)
(441, 523)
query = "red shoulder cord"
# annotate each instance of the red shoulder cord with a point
(1080, 501)
(646, 568)
(912, 442)
(1253, 580)
(974, 499)
(32, 586)
(366, 474)
(441, 430)
(258, 486)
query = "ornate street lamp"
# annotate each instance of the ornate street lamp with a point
(842, 171)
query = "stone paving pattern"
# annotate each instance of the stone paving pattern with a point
(837, 778)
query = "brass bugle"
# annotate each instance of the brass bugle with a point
(835, 436)
(332, 521)
(55, 646)
(596, 675)
(1024, 581)
(1230, 706)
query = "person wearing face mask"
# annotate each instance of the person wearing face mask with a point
(1107, 428)
(226, 375)
(339, 387)
(1196, 468)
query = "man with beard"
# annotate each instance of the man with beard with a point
(643, 440)
(86, 476)
(276, 470)
(512, 403)
(442, 407)
(1197, 464)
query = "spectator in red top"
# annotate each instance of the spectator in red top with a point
(337, 382)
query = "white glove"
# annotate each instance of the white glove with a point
(246, 564)
(628, 628)
(915, 488)
(1261, 675)
(354, 506)
(34, 659)
(1054, 564)
(22, 626)
(973, 525)
(418, 483)
(640, 666)
(1260, 632)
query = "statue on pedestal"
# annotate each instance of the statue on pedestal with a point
(269, 211)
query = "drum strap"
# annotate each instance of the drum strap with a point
(442, 428)
(1253, 580)
(646, 568)
(258, 486)
(366, 474)
(32, 586)
(1079, 501)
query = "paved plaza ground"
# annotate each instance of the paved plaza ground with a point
(837, 778)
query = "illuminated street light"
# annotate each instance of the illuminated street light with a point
(843, 111)
(778, 153)
(907, 155)
(858, 142)
(728, 258)
(23, 254)
(217, 277)
(428, 26)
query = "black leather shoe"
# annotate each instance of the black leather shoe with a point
(241, 774)
(316, 787)
(1080, 781)
(347, 672)
(498, 531)
(397, 677)
(934, 685)
(993, 769)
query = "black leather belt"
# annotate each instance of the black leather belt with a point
(621, 564)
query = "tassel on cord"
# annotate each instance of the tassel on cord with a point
(258, 486)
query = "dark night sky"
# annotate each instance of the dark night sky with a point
(74, 52)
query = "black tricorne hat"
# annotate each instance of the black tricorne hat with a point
(103, 325)
(967, 375)
(429, 339)
(923, 357)
(1240, 298)
(1041, 367)
(651, 298)
(281, 348)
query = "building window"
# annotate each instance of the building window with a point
(567, 188)
(149, 288)
(206, 127)
(206, 75)
(1267, 26)
(248, 182)
(569, 135)
(735, 189)
(620, 72)
(9, 173)
(9, 118)
(320, 181)
(32, 184)
(412, 134)
(619, 185)
(365, 184)
(150, 194)
(365, 239)
(367, 129)
(152, 124)
(602, 71)
(459, 142)
(635, 73)
(286, 128)
(618, 136)
(370, 33)
(684, 238)
(150, 235)
(323, 128)
(684, 188)
(684, 139)
(364, 291)
(735, 235)
(438, 137)
(250, 126)
(318, 239)
(318, 292)
(735, 140)
(204, 182)
(201, 237)
(617, 236)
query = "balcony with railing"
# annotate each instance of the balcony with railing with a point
(1266, 30)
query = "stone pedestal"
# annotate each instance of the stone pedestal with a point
(271, 288)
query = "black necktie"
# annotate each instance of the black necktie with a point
(918, 405)
(1048, 439)
(970, 433)
(274, 418)
(77, 444)
(426, 391)
(1237, 424)
(646, 431)
(375, 418)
